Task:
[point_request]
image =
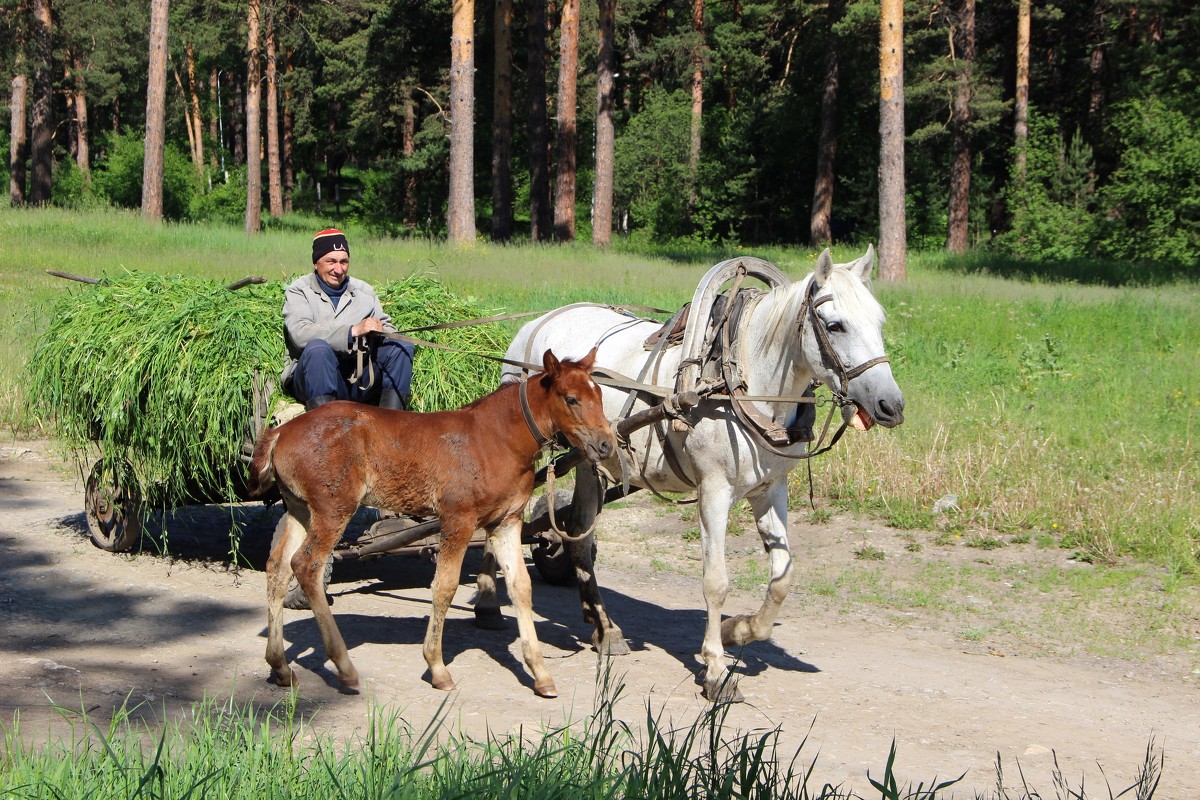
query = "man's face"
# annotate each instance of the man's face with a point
(333, 267)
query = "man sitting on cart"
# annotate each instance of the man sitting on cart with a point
(327, 316)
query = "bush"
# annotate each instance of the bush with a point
(118, 176)
(224, 202)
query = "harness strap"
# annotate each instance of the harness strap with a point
(539, 437)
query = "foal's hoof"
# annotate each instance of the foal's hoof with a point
(545, 689)
(737, 631)
(489, 619)
(446, 684)
(613, 643)
(723, 691)
(350, 683)
(287, 679)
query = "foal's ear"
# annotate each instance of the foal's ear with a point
(550, 362)
(587, 362)
(824, 267)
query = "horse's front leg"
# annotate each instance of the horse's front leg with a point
(507, 547)
(279, 575)
(770, 514)
(585, 507)
(456, 535)
(714, 504)
(487, 600)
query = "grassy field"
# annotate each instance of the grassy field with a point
(1035, 408)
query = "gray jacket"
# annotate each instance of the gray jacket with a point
(308, 314)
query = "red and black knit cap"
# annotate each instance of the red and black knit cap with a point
(327, 241)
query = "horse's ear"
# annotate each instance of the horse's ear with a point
(549, 362)
(824, 267)
(587, 362)
(864, 266)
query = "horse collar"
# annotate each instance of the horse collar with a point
(539, 437)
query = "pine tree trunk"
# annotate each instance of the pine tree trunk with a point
(156, 114)
(820, 232)
(502, 210)
(83, 156)
(289, 135)
(214, 132)
(194, 96)
(568, 69)
(41, 145)
(958, 226)
(540, 218)
(253, 106)
(602, 206)
(188, 124)
(893, 244)
(408, 147)
(460, 221)
(239, 122)
(1021, 106)
(72, 123)
(274, 174)
(17, 142)
(697, 104)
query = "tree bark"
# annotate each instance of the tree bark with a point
(274, 172)
(194, 97)
(41, 150)
(502, 210)
(540, 218)
(156, 113)
(83, 156)
(819, 228)
(214, 132)
(239, 121)
(289, 128)
(460, 223)
(253, 105)
(408, 147)
(697, 86)
(1021, 106)
(958, 227)
(188, 122)
(602, 206)
(893, 245)
(568, 69)
(17, 141)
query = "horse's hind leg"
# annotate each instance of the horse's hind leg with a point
(487, 603)
(770, 513)
(507, 548)
(308, 563)
(279, 575)
(585, 507)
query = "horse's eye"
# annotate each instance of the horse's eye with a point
(834, 327)
(572, 400)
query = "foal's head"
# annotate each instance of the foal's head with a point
(575, 405)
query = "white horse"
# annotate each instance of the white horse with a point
(778, 350)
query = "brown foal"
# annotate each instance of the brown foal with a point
(473, 468)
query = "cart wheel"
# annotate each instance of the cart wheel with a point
(550, 557)
(112, 505)
(295, 598)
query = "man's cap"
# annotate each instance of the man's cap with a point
(327, 241)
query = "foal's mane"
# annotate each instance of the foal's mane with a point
(853, 299)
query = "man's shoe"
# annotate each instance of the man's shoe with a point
(318, 400)
(390, 398)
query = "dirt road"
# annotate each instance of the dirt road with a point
(976, 669)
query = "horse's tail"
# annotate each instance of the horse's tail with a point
(262, 471)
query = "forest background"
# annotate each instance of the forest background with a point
(726, 123)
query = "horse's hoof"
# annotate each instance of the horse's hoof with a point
(489, 619)
(737, 631)
(613, 644)
(350, 682)
(723, 691)
(545, 689)
(446, 684)
(287, 680)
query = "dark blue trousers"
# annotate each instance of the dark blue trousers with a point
(322, 370)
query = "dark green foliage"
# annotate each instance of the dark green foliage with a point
(118, 177)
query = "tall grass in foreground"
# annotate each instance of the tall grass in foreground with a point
(1048, 409)
(221, 750)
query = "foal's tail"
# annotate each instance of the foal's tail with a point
(262, 471)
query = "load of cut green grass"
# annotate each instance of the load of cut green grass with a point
(159, 373)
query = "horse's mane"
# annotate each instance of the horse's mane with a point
(853, 298)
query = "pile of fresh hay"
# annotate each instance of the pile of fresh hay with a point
(161, 373)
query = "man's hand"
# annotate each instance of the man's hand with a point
(368, 325)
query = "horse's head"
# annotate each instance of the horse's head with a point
(575, 405)
(842, 339)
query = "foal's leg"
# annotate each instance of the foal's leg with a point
(279, 575)
(607, 638)
(508, 552)
(308, 563)
(456, 534)
(714, 502)
(770, 513)
(487, 603)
